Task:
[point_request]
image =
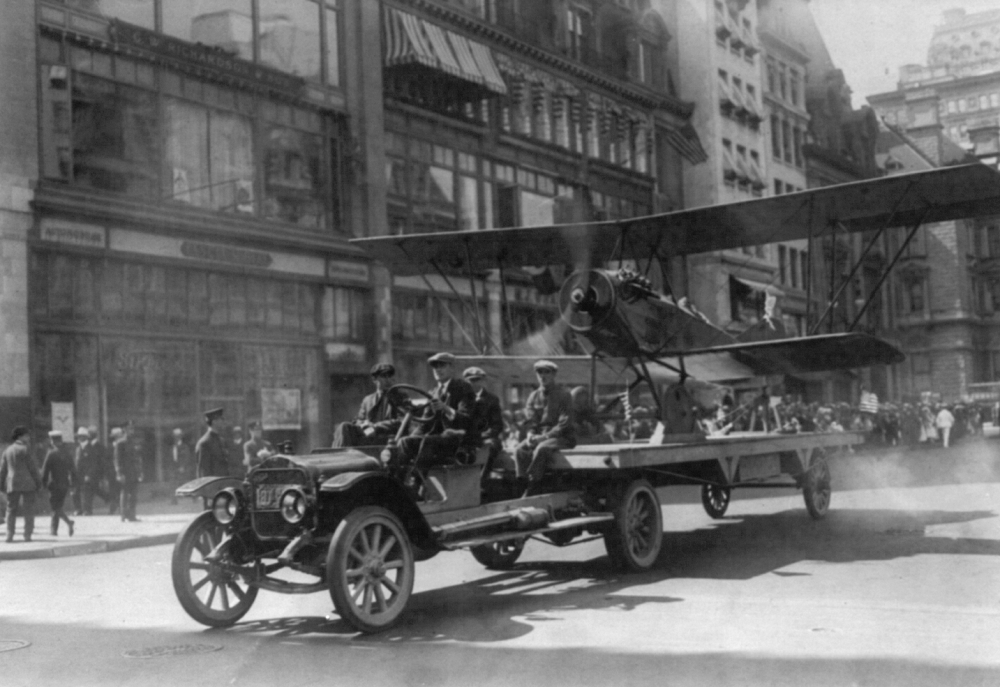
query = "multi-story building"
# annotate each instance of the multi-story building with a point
(721, 72)
(945, 292)
(180, 181)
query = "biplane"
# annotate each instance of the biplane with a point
(356, 528)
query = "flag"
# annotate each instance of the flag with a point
(686, 142)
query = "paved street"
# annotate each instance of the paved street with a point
(897, 586)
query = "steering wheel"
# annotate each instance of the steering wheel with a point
(427, 413)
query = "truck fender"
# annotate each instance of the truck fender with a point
(379, 489)
(207, 487)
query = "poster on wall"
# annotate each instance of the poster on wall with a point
(281, 408)
(62, 419)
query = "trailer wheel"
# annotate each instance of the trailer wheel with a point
(369, 569)
(634, 539)
(715, 499)
(816, 487)
(499, 555)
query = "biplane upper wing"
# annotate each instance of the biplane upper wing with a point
(933, 196)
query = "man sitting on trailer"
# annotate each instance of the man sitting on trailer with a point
(549, 424)
(488, 414)
(379, 415)
(439, 440)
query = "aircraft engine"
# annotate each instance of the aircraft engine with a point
(622, 316)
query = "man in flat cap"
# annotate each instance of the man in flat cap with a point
(128, 471)
(453, 402)
(379, 415)
(211, 452)
(488, 413)
(257, 448)
(548, 420)
(20, 480)
(58, 476)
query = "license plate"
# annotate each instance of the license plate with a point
(268, 495)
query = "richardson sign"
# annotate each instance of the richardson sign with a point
(73, 233)
(197, 55)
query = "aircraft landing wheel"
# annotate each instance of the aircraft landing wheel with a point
(816, 487)
(634, 539)
(715, 499)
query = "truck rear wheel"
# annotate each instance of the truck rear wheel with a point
(634, 539)
(369, 569)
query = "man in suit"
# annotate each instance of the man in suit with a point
(58, 476)
(128, 471)
(89, 463)
(211, 452)
(101, 456)
(257, 448)
(549, 423)
(439, 438)
(20, 480)
(82, 439)
(488, 421)
(379, 415)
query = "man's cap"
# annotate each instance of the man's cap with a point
(55, 434)
(546, 365)
(93, 431)
(380, 369)
(82, 432)
(116, 432)
(253, 424)
(213, 414)
(443, 358)
(474, 373)
(178, 432)
(18, 432)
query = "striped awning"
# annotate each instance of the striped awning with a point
(412, 40)
(686, 142)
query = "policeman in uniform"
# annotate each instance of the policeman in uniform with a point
(257, 448)
(379, 415)
(454, 403)
(488, 413)
(128, 471)
(211, 452)
(549, 424)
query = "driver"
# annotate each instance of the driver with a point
(453, 402)
(379, 415)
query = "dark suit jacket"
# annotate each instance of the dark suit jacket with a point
(459, 396)
(212, 455)
(57, 470)
(382, 411)
(489, 416)
(128, 463)
(18, 471)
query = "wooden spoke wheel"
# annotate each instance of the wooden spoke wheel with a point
(499, 555)
(370, 569)
(634, 539)
(216, 594)
(715, 499)
(816, 487)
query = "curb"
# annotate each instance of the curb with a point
(86, 548)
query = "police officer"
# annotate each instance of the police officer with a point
(128, 471)
(211, 452)
(488, 420)
(549, 424)
(378, 417)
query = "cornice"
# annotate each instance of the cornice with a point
(640, 96)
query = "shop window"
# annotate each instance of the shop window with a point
(256, 303)
(115, 137)
(226, 24)
(293, 182)
(288, 32)
(138, 12)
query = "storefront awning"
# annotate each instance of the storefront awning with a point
(686, 142)
(411, 40)
(759, 286)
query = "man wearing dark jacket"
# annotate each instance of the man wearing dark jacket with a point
(58, 476)
(488, 413)
(549, 423)
(20, 480)
(379, 415)
(101, 456)
(128, 472)
(211, 452)
(453, 402)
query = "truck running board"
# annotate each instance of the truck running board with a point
(568, 523)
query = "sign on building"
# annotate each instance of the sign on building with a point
(281, 408)
(62, 420)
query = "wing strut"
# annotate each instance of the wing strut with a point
(480, 330)
(448, 310)
(451, 286)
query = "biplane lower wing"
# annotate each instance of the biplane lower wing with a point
(816, 353)
(898, 201)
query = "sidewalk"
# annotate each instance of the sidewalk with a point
(159, 523)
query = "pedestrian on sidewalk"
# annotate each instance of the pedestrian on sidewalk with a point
(58, 476)
(183, 462)
(257, 449)
(82, 439)
(20, 480)
(944, 422)
(128, 470)
(90, 471)
(211, 451)
(102, 457)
